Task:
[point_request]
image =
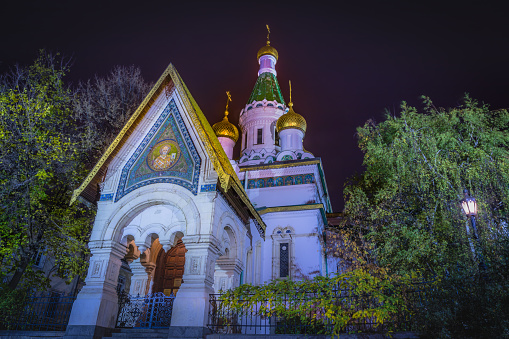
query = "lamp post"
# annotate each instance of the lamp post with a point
(469, 206)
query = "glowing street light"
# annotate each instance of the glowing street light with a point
(469, 206)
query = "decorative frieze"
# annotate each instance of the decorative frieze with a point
(288, 180)
(106, 197)
(208, 188)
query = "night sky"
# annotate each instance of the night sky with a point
(347, 63)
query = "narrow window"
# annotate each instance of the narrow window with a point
(245, 140)
(40, 259)
(276, 138)
(259, 138)
(284, 263)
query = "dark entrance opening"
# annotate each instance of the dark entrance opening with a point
(170, 269)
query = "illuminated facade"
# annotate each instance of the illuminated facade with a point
(188, 218)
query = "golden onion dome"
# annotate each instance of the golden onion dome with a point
(267, 50)
(226, 129)
(291, 120)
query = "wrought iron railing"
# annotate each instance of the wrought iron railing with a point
(251, 320)
(41, 312)
(150, 311)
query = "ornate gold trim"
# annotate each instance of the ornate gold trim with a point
(279, 165)
(290, 208)
(293, 208)
(213, 148)
(143, 108)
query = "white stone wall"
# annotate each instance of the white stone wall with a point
(305, 239)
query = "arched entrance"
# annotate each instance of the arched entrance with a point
(170, 269)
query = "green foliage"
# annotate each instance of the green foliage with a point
(38, 169)
(416, 167)
(315, 303)
(11, 304)
(103, 106)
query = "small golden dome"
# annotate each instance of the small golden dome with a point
(224, 128)
(267, 50)
(291, 120)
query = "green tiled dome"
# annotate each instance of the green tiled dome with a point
(266, 87)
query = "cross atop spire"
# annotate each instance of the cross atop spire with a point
(268, 35)
(228, 99)
(290, 103)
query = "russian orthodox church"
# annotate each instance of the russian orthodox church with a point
(176, 213)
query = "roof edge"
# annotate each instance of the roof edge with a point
(104, 160)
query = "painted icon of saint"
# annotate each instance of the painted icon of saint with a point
(164, 160)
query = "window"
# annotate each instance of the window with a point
(284, 262)
(276, 138)
(245, 140)
(282, 253)
(259, 137)
(40, 259)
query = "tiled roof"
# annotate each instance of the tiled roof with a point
(266, 87)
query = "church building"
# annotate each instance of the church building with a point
(179, 213)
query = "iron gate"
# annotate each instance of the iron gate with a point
(150, 311)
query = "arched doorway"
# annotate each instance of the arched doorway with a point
(170, 269)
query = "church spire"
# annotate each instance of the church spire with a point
(265, 105)
(267, 57)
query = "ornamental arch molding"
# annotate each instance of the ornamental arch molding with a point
(129, 207)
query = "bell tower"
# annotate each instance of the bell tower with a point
(259, 139)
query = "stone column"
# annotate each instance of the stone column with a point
(139, 279)
(191, 305)
(150, 270)
(94, 312)
(227, 275)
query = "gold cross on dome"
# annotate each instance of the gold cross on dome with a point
(228, 99)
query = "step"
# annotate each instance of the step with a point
(141, 333)
(31, 334)
(148, 333)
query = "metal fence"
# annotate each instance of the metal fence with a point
(252, 321)
(150, 311)
(41, 312)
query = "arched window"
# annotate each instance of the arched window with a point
(282, 253)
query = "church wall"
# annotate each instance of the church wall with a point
(284, 186)
(235, 241)
(283, 196)
(300, 230)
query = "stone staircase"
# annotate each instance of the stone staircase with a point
(144, 333)
(31, 334)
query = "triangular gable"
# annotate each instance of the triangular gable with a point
(227, 176)
(165, 155)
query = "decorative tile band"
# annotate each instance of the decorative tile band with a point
(106, 197)
(288, 180)
(208, 188)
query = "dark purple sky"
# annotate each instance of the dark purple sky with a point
(348, 63)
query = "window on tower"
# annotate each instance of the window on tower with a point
(276, 138)
(259, 137)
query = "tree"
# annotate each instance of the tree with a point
(416, 167)
(104, 105)
(39, 167)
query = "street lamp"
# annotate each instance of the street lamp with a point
(469, 206)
